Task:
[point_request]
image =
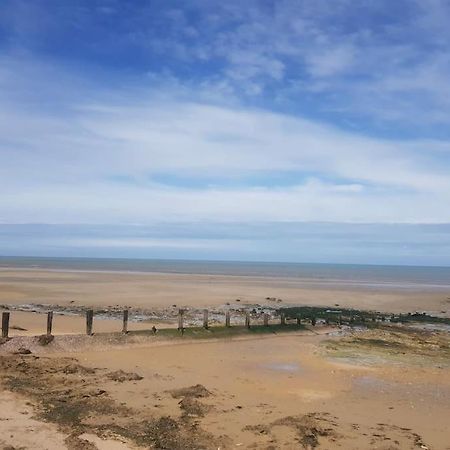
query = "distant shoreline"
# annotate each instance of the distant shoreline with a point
(306, 281)
(326, 274)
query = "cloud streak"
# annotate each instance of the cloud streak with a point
(265, 241)
(142, 156)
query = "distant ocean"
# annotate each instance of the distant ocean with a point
(347, 273)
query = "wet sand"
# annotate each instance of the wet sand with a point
(151, 290)
(257, 382)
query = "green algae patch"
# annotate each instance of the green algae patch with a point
(392, 344)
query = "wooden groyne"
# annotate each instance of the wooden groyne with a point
(246, 319)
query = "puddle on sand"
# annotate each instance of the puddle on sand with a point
(282, 367)
(370, 382)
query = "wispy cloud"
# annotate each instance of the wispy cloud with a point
(141, 155)
(382, 61)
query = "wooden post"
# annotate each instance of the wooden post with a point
(247, 319)
(227, 319)
(125, 321)
(266, 319)
(5, 324)
(180, 320)
(299, 320)
(49, 323)
(205, 319)
(340, 319)
(282, 318)
(89, 321)
(313, 321)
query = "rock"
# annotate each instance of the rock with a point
(192, 407)
(197, 391)
(45, 339)
(74, 368)
(23, 351)
(121, 376)
(94, 393)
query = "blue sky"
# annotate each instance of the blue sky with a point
(296, 117)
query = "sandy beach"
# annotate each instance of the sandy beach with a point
(283, 391)
(157, 290)
(315, 387)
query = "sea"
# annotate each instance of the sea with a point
(438, 277)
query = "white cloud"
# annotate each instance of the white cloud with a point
(332, 61)
(382, 60)
(138, 156)
(147, 243)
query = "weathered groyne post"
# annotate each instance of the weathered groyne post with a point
(282, 318)
(125, 321)
(49, 323)
(89, 321)
(266, 319)
(205, 319)
(227, 319)
(247, 319)
(299, 319)
(5, 324)
(180, 320)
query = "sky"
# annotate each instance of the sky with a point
(287, 130)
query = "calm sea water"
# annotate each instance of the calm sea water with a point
(404, 275)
